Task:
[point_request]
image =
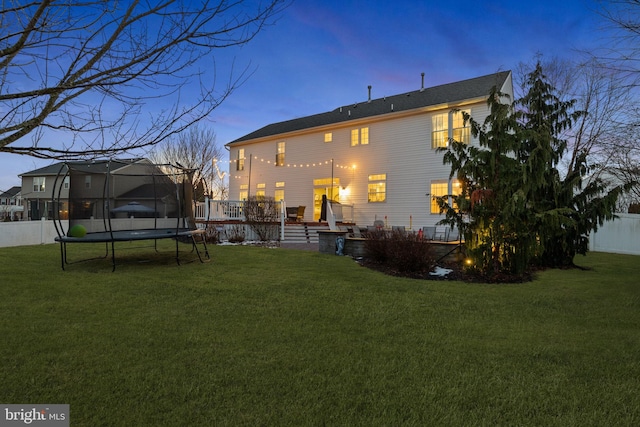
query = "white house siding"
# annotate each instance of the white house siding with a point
(399, 146)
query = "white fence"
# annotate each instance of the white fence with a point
(621, 236)
(22, 233)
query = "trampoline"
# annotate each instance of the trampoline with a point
(126, 201)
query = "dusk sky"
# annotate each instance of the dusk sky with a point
(322, 54)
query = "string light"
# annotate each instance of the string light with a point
(321, 163)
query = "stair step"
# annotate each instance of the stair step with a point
(302, 233)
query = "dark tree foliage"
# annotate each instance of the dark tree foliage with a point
(516, 210)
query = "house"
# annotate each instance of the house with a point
(85, 188)
(11, 205)
(377, 157)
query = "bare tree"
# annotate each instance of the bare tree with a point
(195, 149)
(622, 51)
(621, 57)
(605, 133)
(90, 73)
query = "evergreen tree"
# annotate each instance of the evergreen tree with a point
(515, 210)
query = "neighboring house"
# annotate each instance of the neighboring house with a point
(43, 188)
(378, 156)
(11, 205)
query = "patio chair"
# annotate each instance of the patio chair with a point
(454, 235)
(429, 233)
(355, 232)
(292, 213)
(300, 213)
(398, 229)
(443, 235)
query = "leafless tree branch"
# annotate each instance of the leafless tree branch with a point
(92, 70)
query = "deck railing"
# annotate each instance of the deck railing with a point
(233, 210)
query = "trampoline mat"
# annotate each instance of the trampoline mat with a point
(128, 235)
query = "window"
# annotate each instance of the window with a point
(456, 190)
(460, 131)
(38, 184)
(364, 136)
(447, 126)
(87, 182)
(438, 189)
(359, 136)
(240, 160)
(65, 183)
(244, 191)
(440, 131)
(279, 193)
(328, 137)
(377, 188)
(280, 154)
(260, 189)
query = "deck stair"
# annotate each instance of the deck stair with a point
(303, 232)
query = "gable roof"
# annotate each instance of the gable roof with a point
(96, 166)
(478, 87)
(12, 192)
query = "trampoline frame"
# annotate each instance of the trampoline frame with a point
(179, 233)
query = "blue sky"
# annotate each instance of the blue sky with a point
(322, 54)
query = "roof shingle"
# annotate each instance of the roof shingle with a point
(447, 93)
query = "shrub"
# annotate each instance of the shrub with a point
(213, 234)
(399, 251)
(261, 213)
(236, 234)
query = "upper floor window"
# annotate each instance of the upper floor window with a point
(328, 137)
(38, 184)
(377, 188)
(87, 182)
(65, 183)
(448, 126)
(240, 160)
(359, 136)
(280, 154)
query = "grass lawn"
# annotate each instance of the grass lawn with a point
(283, 337)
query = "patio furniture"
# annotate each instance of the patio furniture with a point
(399, 229)
(442, 234)
(292, 213)
(429, 232)
(295, 213)
(300, 214)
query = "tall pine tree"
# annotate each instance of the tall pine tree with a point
(515, 209)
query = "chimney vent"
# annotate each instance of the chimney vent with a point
(369, 93)
(422, 87)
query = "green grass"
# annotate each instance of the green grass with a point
(283, 337)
